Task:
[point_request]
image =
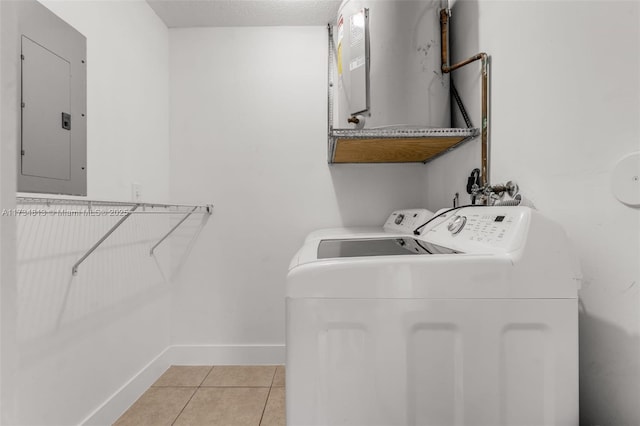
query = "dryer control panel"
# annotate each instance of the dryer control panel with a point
(481, 229)
(405, 221)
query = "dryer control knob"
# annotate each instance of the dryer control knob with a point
(457, 224)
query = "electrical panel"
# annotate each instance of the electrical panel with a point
(52, 150)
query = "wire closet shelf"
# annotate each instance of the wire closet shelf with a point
(124, 209)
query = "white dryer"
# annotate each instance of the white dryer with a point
(473, 322)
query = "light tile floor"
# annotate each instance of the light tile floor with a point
(205, 395)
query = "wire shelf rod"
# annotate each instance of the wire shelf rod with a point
(49, 201)
(129, 208)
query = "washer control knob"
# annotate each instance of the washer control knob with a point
(457, 224)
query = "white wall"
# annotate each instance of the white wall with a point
(76, 341)
(248, 132)
(8, 135)
(565, 105)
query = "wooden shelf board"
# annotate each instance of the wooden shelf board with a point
(393, 150)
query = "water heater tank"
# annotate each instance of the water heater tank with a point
(389, 64)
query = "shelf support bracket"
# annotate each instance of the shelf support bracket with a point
(74, 269)
(174, 228)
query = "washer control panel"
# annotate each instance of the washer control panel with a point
(488, 229)
(405, 221)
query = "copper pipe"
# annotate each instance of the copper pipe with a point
(444, 40)
(444, 31)
(467, 61)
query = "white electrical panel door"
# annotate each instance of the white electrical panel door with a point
(52, 147)
(46, 120)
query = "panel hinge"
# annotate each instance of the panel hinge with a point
(22, 57)
(22, 104)
(22, 152)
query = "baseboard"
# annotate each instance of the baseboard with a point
(109, 411)
(227, 355)
(122, 399)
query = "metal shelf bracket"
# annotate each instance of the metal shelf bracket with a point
(74, 269)
(173, 229)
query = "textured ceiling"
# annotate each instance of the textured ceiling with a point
(234, 13)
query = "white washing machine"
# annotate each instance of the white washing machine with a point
(473, 322)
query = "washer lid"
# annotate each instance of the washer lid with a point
(398, 246)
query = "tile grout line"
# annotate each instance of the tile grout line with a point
(206, 375)
(192, 395)
(216, 386)
(185, 406)
(264, 409)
